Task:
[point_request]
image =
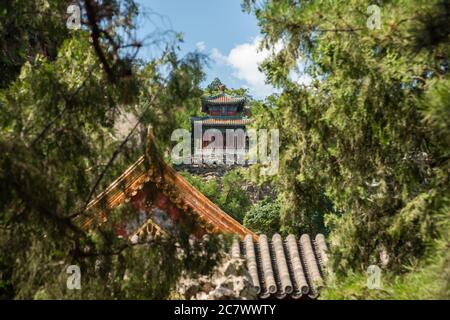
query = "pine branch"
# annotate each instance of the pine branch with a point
(111, 160)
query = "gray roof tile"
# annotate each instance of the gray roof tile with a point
(284, 268)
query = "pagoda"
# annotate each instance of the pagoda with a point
(224, 112)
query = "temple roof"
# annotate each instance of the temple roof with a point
(223, 121)
(174, 186)
(292, 267)
(284, 268)
(222, 99)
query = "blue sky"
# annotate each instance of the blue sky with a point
(217, 28)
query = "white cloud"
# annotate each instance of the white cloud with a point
(244, 59)
(299, 76)
(218, 56)
(301, 79)
(200, 46)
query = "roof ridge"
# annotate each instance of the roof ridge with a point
(132, 180)
(222, 94)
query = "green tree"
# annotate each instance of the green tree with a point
(264, 217)
(63, 96)
(28, 28)
(228, 192)
(214, 85)
(369, 132)
(215, 88)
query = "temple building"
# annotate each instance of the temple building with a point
(223, 112)
(161, 198)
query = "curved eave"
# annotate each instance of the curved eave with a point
(222, 100)
(179, 191)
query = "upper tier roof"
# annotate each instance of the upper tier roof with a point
(222, 99)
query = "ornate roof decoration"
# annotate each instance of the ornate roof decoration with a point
(222, 99)
(180, 192)
(284, 268)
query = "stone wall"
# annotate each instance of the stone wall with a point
(230, 280)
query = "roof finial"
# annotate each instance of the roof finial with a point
(222, 88)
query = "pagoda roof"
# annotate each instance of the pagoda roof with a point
(222, 121)
(223, 99)
(186, 197)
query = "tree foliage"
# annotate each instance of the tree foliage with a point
(228, 192)
(370, 134)
(64, 100)
(264, 217)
